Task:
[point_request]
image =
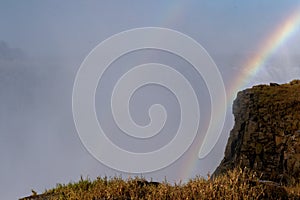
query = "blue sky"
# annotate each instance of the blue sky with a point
(43, 43)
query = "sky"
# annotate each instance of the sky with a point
(43, 44)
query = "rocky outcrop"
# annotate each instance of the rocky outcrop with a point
(266, 134)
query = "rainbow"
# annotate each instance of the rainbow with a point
(251, 67)
(269, 46)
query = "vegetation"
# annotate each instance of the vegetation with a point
(236, 184)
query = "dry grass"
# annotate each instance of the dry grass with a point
(294, 191)
(236, 184)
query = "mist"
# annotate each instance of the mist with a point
(42, 46)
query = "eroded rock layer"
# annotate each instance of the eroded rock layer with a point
(266, 134)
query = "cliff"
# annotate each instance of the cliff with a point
(266, 134)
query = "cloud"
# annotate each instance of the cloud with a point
(35, 121)
(280, 69)
(8, 53)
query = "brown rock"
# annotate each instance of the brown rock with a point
(279, 140)
(266, 134)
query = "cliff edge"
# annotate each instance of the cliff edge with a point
(266, 134)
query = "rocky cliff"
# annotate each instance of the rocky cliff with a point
(266, 134)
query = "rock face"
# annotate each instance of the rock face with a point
(266, 134)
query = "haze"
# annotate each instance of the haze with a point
(43, 43)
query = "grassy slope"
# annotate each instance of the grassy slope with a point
(236, 184)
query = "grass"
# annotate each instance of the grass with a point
(235, 184)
